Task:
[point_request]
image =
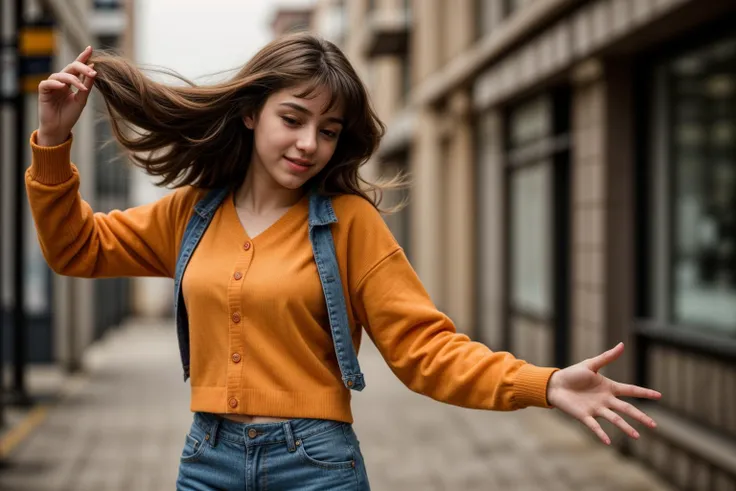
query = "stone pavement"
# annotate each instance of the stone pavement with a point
(122, 427)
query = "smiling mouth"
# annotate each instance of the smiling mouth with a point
(300, 164)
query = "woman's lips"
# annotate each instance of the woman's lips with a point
(297, 165)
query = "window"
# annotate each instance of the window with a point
(405, 78)
(484, 18)
(537, 210)
(491, 13)
(694, 247)
(530, 244)
(108, 4)
(513, 6)
(530, 213)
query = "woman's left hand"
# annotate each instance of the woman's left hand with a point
(583, 393)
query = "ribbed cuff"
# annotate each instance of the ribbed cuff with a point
(530, 386)
(51, 165)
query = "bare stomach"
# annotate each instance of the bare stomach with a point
(244, 418)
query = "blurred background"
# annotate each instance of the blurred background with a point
(574, 185)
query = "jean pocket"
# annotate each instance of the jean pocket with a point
(195, 445)
(328, 450)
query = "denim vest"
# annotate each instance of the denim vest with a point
(321, 215)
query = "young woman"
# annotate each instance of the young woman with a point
(279, 256)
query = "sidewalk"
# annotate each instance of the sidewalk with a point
(122, 427)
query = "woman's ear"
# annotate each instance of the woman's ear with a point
(248, 121)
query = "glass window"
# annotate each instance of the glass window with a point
(530, 239)
(530, 193)
(108, 4)
(489, 14)
(700, 168)
(36, 271)
(405, 78)
(513, 6)
(483, 17)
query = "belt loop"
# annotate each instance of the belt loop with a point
(290, 443)
(213, 431)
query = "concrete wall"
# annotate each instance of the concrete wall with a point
(588, 289)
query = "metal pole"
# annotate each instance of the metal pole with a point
(20, 324)
(2, 243)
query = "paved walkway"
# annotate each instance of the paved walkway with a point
(122, 427)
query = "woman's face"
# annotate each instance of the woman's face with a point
(294, 137)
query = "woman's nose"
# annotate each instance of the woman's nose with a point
(307, 141)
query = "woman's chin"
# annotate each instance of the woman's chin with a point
(291, 182)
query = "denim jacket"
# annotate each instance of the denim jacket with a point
(321, 215)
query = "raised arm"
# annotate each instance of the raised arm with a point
(75, 241)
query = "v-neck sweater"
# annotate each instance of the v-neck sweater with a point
(260, 338)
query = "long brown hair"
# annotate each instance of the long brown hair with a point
(195, 135)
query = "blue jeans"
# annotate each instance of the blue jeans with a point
(299, 454)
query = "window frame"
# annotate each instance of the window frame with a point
(659, 247)
(648, 330)
(554, 150)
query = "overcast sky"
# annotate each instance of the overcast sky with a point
(202, 37)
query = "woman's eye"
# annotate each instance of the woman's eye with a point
(329, 134)
(290, 121)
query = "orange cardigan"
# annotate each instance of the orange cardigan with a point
(260, 338)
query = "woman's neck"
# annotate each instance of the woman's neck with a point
(260, 193)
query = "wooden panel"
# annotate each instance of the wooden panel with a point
(695, 386)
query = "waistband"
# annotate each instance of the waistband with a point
(262, 433)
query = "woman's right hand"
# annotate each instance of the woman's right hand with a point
(59, 107)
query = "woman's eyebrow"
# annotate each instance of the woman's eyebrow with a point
(302, 109)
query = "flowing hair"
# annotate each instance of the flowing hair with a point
(194, 134)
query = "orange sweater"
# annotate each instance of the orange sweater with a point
(259, 333)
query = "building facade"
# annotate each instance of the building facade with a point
(62, 315)
(574, 185)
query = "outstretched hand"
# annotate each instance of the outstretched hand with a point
(583, 393)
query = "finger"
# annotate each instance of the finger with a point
(600, 361)
(89, 81)
(82, 95)
(49, 85)
(79, 68)
(68, 79)
(632, 412)
(627, 390)
(84, 55)
(591, 423)
(618, 421)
